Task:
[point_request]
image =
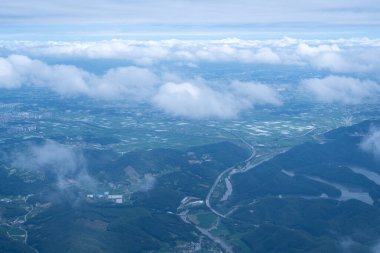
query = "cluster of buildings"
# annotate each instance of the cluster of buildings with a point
(116, 198)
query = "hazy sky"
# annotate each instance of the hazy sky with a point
(99, 19)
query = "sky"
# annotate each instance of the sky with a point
(153, 19)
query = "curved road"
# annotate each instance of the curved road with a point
(240, 167)
(247, 165)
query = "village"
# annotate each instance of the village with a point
(106, 196)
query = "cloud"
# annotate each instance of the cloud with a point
(330, 57)
(64, 79)
(169, 92)
(224, 52)
(67, 165)
(371, 142)
(147, 183)
(139, 53)
(131, 82)
(8, 76)
(255, 93)
(335, 56)
(123, 82)
(266, 55)
(197, 100)
(150, 52)
(340, 89)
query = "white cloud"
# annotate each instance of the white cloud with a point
(255, 93)
(340, 89)
(197, 100)
(371, 143)
(330, 57)
(8, 77)
(225, 52)
(67, 164)
(336, 56)
(150, 52)
(123, 82)
(140, 53)
(266, 55)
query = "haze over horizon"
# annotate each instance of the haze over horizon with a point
(148, 19)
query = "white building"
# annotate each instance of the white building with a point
(115, 196)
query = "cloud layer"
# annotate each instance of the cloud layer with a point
(142, 77)
(336, 56)
(188, 98)
(341, 89)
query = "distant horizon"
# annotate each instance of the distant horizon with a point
(167, 19)
(183, 37)
(205, 36)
